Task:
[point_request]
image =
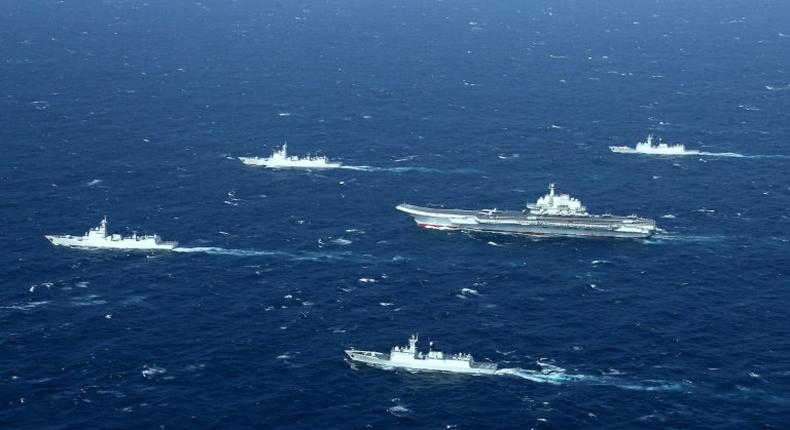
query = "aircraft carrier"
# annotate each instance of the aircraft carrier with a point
(552, 215)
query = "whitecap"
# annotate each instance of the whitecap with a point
(26, 306)
(469, 291)
(385, 304)
(95, 182)
(149, 371)
(367, 280)
(40, 104)
(89, 300)
(399, 410)
(668, 216)
(596, 288)
(43, 284)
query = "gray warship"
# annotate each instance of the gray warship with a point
(408, 357)
(552, 215)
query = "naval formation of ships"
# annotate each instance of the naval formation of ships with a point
(553, 214)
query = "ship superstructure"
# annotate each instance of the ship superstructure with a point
(410, 358)
(98, 237)
(552, 215)
(647, 147)
(281, 160)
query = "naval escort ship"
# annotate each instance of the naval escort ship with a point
(98, 238)
(408, 357)
(281, 160)
(552, 215)
(648, 148)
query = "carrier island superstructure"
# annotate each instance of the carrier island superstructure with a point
(552, 215)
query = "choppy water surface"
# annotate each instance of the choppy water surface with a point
(137, 111)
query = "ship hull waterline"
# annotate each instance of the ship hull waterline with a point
(249, 161)
(120, 245)
(516, 224)
(382, 362)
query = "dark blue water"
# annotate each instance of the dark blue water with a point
(136, 110)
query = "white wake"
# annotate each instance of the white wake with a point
(402, 169)
(557, 376)
(303, 256)
(737, 155)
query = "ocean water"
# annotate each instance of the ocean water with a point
(136, 110)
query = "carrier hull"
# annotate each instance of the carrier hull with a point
(519, 223)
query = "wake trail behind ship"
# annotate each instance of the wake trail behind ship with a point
(737, 155)
(665, 237)
(557, 376)
(405, 169)
(301, 256)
